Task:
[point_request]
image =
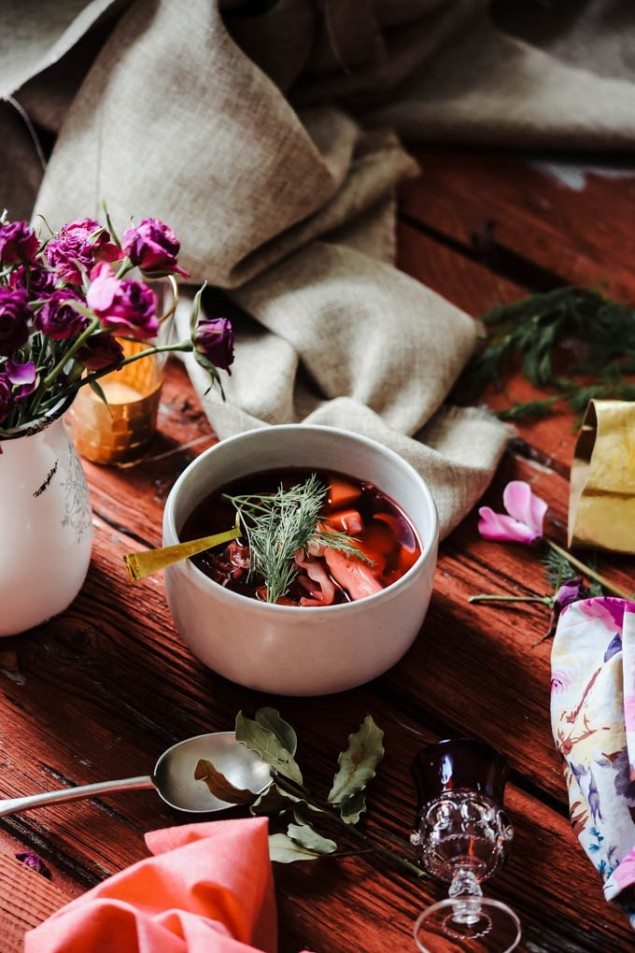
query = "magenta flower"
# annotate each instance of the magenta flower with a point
(70, 257)
(214, 340)
(57, 318)
(524, 519)
(35, 862)
(570, 591)
(127, 307)
(18, 242)
(153, 247)
(39, 281)
(6, 396)
(93, 234)
(100, 350)
(14, 316)
(23, 376)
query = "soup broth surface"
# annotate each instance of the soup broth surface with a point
(380, 529)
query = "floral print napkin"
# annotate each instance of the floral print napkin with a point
(593, 723)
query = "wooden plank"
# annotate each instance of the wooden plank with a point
(583, 237)
(101, 691)
(476, 289)
(26, 898)
(88, 710)
(499, 700)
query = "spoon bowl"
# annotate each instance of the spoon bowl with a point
(173, 775)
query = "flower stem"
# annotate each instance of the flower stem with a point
(160, 349)
(393, 858)
(588, 571)
(500, 597)
(73, 349)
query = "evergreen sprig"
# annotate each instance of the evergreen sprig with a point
(594, 337)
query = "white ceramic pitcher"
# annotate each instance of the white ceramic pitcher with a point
(45, 525)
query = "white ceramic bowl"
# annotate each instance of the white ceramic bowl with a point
(293, 650)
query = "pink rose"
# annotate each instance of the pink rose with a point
(153, 247)
(57, 318)
(126, 307)
(93, 234)
(18, 242)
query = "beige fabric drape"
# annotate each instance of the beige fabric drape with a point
(263, 141)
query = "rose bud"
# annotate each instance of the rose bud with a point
(100, 350)
(570, 591)
(24, 378)
(18, 242)
(14, 315)
(70, 257)
(92, 233)
(57, 318)
(214, 339)
(39, 281)
(6, 397)
(127, 307)
(153, 247)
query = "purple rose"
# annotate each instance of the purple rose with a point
(92, 233)
(6, 396)
(24, 378)
(153, 247)
(127, 307)
(39, 281)
(101, 350)
(18, 242)
(214, 339)
(70, 257)
(14, 315)
(35, 862)
(570, 591)
(57, 318)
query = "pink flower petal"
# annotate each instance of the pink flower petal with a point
(498, 526)
(521, 503)
(104, 286)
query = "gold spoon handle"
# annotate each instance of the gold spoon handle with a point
(149, 561)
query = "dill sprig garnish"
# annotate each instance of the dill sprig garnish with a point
(277, 524)
(594, 335)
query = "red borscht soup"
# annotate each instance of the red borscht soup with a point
(384, 542)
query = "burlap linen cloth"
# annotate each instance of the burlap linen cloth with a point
(186, 114)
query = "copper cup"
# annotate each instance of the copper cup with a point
(120, 432)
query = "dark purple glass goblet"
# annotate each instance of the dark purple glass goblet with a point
(463, 836)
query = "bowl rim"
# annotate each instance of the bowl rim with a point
(237, 598)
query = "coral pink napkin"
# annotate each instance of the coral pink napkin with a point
(208, 888)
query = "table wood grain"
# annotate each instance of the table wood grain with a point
(99, 692)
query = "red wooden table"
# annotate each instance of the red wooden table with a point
(101, 691)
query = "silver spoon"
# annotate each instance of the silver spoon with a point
(173, 777)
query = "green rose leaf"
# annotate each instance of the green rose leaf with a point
(270, 719)
(283, 850)
(357, 766)
(306, 837)
(268, 746)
